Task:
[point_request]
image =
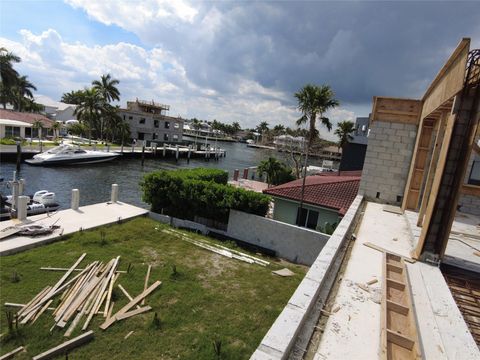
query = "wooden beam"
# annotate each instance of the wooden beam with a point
(381, 249)
(127, 294)
(449, 80)
(131, 304)
(133, 312)
(12, 353)
(396, 110)
(68, 345)
(442, 158)
(440, 130)
(146, 282)
(468, 189)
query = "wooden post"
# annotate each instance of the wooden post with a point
(75, 199)
(19, 155)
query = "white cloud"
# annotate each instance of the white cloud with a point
(56, 66)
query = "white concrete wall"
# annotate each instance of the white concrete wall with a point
(296, 244)
(279, 340)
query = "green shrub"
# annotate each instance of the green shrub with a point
(201, 192)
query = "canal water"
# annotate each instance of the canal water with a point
(94, 180)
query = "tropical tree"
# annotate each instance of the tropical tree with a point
(313, 102)
(21, 90)
(8, 74)
(276, 171)
(56, 126)
(74, 97)
(343, 131)
(278, 129)
(77, 129)
(88, 112)
(107, 88)
(236, 127)
(263, 129)
(38, 125)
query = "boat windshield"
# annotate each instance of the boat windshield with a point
(62, 149)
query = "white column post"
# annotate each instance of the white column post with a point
(21, 186)
(114, 197)
(22, 207)
(75, 199)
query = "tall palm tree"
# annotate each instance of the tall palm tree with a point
(344, 131)
(22, 90)
(263, 129)
(107, 87)
(89, 110)
(236, 127)
(56, 126)
(8, 75)
(278, 129)
(73, 97)
(313, 102)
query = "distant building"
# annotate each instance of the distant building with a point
(326, 199)
(204, 129)
(14, 124)
(148, 121)
(56, 110)
(289, 142)
(354, 152)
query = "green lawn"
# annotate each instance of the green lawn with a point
(211, 298)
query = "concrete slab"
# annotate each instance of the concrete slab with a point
(70, 221)
(353, 332)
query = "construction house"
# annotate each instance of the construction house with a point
(399, 277)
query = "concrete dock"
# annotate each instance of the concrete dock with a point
(70, 221)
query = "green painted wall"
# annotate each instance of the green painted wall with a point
(286, 211)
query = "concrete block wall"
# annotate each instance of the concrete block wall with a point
(279, 340)
(470, 204)
(296, 244)
(387, 161)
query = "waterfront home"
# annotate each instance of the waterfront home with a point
(14, 124)
(290, 142)
(326, 199)
(148, 121)
(56, 110)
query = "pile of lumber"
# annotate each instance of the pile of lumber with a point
(82, 296)
(219, 249)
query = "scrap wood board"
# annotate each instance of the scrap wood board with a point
(399, 336)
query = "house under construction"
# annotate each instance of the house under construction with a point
(399, 277)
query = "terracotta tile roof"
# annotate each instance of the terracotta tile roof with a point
(334, 192)
(25, 117)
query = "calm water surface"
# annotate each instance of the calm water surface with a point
(94, 181)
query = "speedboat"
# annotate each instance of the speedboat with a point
(41, 202)
(70, 155)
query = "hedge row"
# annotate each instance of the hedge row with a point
(201, 192)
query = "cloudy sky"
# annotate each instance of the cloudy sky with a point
(237, 61)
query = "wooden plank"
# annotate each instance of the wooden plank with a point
(127, 294)
(397, 110)
(400, 340)
(381, 249)
(146, 282)
(63, 348)
(12, 353)
(133, 312)
(30, 314)
(131, 304)
(109, 294)
(42, 310)
(392, 305)
(449, 80)
(66, 269)
(109, 314)
(468, 189)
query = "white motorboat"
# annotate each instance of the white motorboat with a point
(70, 155)
(41, 202)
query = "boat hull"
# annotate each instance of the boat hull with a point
(64, 162)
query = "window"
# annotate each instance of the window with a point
(142, 121)
(167, 124)
(130, 118)
(165, 137)
(141, 136)
(474, 177)
(176, 125)
(12, 131)
(154, 136)
(175, 137)
(124, 117)
(156, 123)
(307, 218)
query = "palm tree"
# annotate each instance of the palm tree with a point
(89, 110)
(263, 129)
(8, 74)
(271, 167)
(22, 90)
(107, 87)
(73, 97)
(112, 120)
(278, 129)
(313, 102)
(236, 127)
(37, 124)
(344, 131)
(57, 125)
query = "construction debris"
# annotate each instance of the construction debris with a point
(12, 353)
(218, 249)
(284, 272)
(63, 348)
(83, 296)
(371, 282)
(128, 335)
